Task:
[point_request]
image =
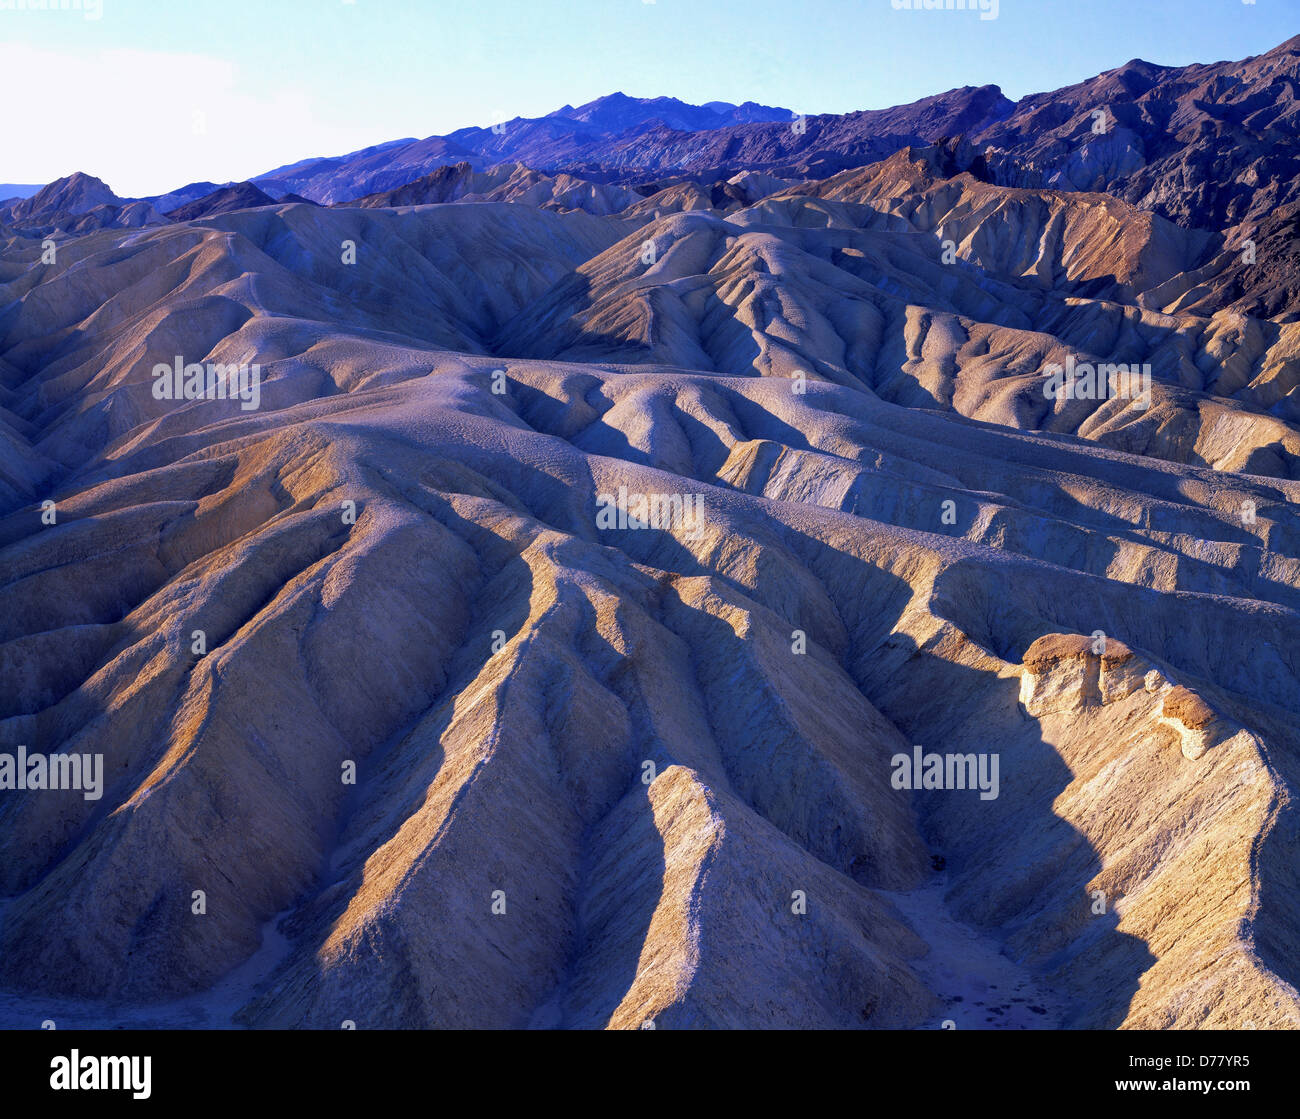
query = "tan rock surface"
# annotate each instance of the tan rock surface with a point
(613, 775)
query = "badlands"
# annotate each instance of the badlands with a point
(398, 731)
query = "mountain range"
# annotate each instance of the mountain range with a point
(414, 713)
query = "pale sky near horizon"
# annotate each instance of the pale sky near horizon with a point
(152, 95)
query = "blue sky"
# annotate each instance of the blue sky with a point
(157, 93)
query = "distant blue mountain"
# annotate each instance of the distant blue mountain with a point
(567, 136)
